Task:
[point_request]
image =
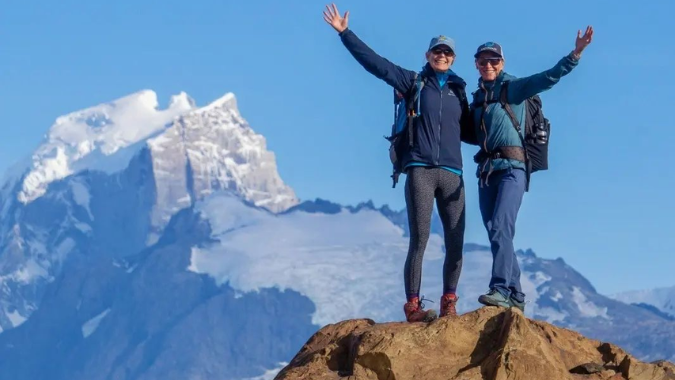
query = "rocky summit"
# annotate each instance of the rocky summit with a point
(489, 343)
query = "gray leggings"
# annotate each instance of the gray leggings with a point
(422, 185)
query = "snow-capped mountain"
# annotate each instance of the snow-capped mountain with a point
(349, 264)
(663, 299)
(102, 138)
(231, 290)
(141, 243)
(107, 180)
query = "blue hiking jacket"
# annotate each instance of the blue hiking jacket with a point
(499, 130)
(444, 111)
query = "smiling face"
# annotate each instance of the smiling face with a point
(489, 65)
(440, 58)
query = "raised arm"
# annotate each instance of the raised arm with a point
(523, 88)
(397, 77)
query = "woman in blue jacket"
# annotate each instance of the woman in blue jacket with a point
(503, 178)
(433, 165)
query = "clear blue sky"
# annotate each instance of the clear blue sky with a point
(605, 206)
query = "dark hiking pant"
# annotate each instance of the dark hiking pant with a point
(500, 199)
(423, 185)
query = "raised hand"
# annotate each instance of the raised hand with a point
(583, 41)
(332, 17)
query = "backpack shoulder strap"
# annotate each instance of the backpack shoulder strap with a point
(420, 81)
(412, 94)
(416, 78)
(503, 99)
(413, 105)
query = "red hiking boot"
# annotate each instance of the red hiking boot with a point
(448, 303)
(414, 311)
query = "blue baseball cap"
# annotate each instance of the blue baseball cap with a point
(442, 40)
(492, 47)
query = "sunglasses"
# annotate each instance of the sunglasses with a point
(447, 53)
(493, 61)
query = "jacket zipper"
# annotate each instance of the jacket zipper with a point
(440, 121)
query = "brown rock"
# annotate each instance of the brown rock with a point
(588, 369)
(487, 344)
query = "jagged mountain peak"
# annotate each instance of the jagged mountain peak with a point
(108, 178)
(89, 138)
(105, 137)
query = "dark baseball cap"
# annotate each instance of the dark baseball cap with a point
(491, 47)
(442, 40)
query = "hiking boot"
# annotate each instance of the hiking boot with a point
(448, 303)
(518, 304)
(414, 311)
(494, 298)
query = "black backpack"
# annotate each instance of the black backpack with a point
(406, 109)
(537, 130)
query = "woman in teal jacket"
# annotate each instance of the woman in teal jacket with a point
(502, 160)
